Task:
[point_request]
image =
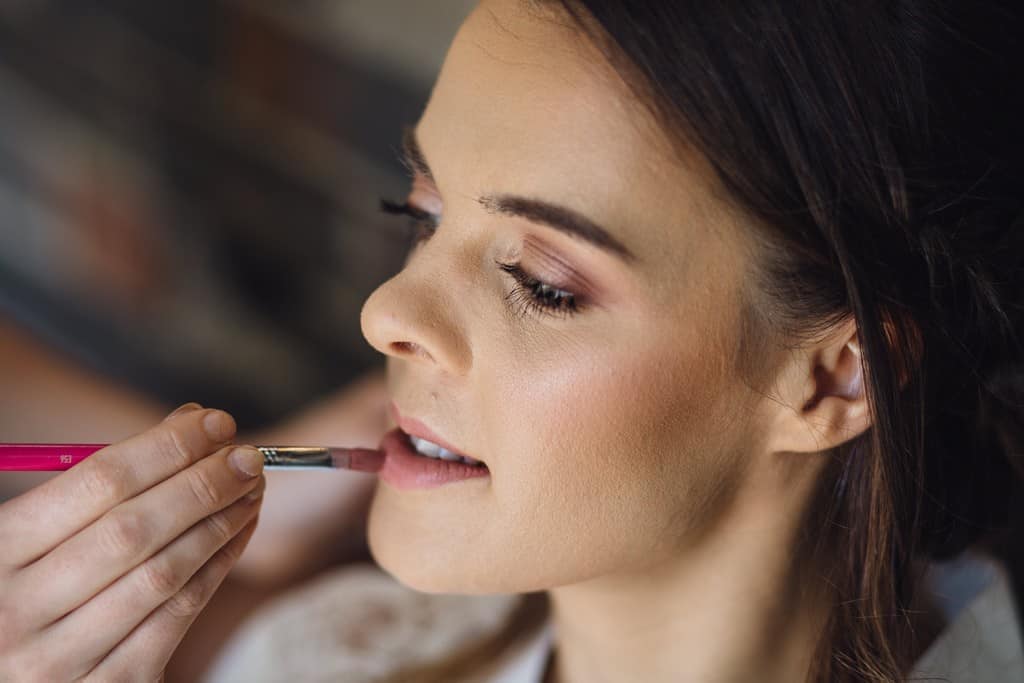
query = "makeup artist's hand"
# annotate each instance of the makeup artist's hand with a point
(293, 542)
(104, 567)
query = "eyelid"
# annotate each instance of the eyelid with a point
(560, 273)
(523, 293)
(425, 196)
(405, 208)
(424, 203)
(526, 285)
(542, 262)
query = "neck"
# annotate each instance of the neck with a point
(742, 605)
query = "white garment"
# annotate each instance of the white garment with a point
(982, 642)
(358, 625)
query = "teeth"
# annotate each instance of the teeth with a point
(432, 450)
(425, 447)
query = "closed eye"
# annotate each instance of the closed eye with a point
(528, 293)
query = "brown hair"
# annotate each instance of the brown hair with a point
(882, 169)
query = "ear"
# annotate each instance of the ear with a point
(823, 402)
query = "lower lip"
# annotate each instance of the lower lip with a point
(404, 468)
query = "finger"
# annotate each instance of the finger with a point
(36, 522)
(186, 408)
(135, 530)
(155, 639)
(128, 601)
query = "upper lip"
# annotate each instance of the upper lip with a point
(414, 427)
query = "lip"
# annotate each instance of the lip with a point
(406, 469)
(414, 427)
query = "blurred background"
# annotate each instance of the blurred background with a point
(189, 198)
(189, 190)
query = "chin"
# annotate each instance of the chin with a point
(430, 558)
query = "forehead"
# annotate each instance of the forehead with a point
(525, 104)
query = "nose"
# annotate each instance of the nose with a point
(409, 317)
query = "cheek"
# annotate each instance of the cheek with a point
(612, 457)
(605, 456)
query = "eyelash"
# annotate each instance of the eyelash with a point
(421, 224)
(529, 293)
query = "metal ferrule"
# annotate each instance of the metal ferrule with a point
(295, 457)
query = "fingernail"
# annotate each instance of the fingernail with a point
(247, 462)
(256, 493)
(219, 426)
(184, 408)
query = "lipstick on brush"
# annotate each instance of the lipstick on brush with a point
(49, 457)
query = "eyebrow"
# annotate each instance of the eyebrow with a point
(560, 218)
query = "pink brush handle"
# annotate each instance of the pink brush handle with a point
(42, 457)
(48, 457)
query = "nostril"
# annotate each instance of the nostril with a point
(404, 347)
(401, 347)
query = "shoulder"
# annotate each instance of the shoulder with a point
(353, 624)
(982, 642)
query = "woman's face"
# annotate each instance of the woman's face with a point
(615, 427)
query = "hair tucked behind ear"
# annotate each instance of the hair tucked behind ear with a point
(879, 159)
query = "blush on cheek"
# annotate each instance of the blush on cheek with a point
(611, 452)
(622, 399)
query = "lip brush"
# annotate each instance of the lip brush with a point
(48, 457)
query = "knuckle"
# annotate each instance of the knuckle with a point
(122, 534)
(172, 445)
(186, 603)
(220, 527)
(228, 555)
(159, 579)
(103, 484)
(203, 489)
